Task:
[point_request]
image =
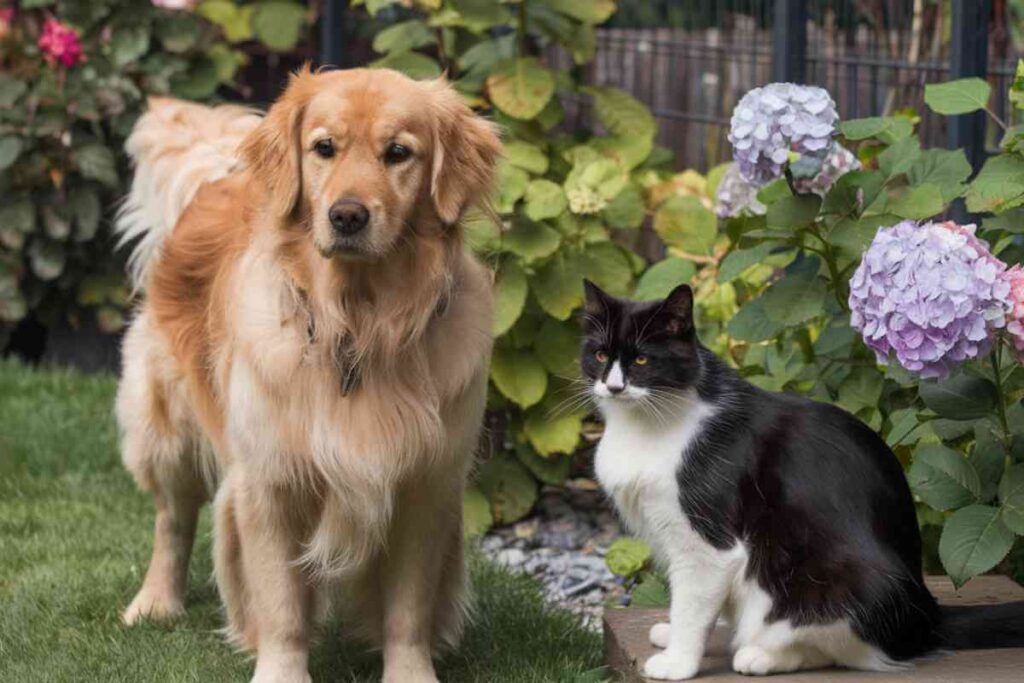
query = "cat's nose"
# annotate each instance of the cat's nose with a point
(615, 388)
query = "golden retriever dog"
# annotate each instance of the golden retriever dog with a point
(312, 347)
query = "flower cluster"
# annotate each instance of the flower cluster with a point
(60, 43)
(1015, 319)
(931, 294)
(736, 195)
(6, 19)
(782, 122)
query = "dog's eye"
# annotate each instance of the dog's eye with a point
(396, 153)
(640, 360)
(601, 356)
(324, 148)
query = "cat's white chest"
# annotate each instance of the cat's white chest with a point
(637, 462)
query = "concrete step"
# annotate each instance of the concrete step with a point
(627, 647)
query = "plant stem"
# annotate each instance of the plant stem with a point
(997, 373)
(523, 46)
(995, 117)
(833, 268)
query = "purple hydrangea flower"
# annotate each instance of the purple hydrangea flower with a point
(930, 294)
(770, 123)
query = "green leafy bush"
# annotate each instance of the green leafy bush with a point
(571, 205)
(63, 120)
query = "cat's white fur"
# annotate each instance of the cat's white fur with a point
(637, 460)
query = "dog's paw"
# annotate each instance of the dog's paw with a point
(668, 666)
(147, 605)
(281, 669)
(659, 634)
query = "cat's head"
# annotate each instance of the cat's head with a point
(635, 350)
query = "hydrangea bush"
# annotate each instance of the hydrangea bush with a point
(852, 286)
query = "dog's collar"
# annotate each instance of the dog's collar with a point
(345, 362)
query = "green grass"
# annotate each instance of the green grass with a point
(75, 538)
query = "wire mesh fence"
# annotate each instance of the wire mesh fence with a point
(691, 61)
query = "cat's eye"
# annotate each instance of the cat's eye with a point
(325, 148)
(396, 153)
(640, 360)
(601, 356)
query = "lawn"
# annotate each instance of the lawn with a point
(75, 538)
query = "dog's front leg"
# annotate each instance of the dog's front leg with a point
(411, 577)
(279, 593)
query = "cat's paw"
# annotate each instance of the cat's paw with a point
(756, 661)
(659, 634)
(669, 666)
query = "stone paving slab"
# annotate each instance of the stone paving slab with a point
(627, 647)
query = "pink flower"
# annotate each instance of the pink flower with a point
(174, 4)
(60, 43)
(1015, 318)
(6, 17)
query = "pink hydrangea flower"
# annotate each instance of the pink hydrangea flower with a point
(1015, 318)
(6, 18)
(931, 295)
(60, 43)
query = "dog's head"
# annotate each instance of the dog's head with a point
(359, 157)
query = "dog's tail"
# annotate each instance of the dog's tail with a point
(175, 146)
(973, 627)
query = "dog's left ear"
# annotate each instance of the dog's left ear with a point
(466, 149)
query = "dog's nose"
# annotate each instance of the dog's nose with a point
(348, 216)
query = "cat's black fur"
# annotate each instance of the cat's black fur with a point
(817, 496)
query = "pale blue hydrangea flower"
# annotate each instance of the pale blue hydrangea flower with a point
(771, 122)
(929, 294)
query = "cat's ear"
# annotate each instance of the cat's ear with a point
(678, 308)
(596, 301)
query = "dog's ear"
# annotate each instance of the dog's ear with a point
(466, 149)
(273, 150)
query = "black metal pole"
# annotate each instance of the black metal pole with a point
(969, 57)
(789, 41)
(332, 33)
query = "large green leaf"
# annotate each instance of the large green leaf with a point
(512, 184)
(792, 213)
(10, 148)
(739, 260)
(1011, 498)
(97, 162)
(609, 267)
(526, 156)
(412, 64)
(11, 89)
(752, 323)
(685, 223)
(795, 299)
(621, 113)
(957, 97)
(587, 11)
(628, 556)
(521, 87)
(974, 540)
(944, 168)
(961, 397)
(999, 183)
(551, 434)
(509, 488)
(235, 21)
(509, 296)
(920, 202)
(651, 593)
(663, 277)
(84, 204)
(943, 478)
(861, 389)
(548, 469)
(558, 347)
(898, 157)
(889, 129)
(279, 24)
(544, 199)
(403, 37)
(476, 513)
(531, 240)
(627, 209)
(558, 285)
(519, 376)
(128, 44)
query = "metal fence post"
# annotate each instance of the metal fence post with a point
(969, 57)
(789, 41)
(332, 33)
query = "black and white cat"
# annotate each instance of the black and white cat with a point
(788, 517)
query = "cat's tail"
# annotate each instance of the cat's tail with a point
(977, 627)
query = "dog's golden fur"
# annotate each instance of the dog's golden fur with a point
(253, 319)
